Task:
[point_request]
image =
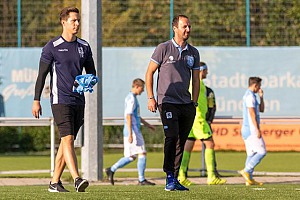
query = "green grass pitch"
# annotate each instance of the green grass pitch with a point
(230, 192)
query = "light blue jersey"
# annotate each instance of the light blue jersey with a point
(132, 107)
(249, 101)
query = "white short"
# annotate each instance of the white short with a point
(255, 145)
(134, 148)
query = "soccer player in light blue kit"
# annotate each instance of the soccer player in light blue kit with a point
(255, 145)
(134, 144)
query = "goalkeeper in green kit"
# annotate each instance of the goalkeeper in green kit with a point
(201, 130)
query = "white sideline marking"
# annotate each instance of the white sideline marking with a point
(258, 188)
(159, 170)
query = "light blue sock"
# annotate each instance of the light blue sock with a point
(121, 163)
(247, 161)
(141, 165)
(253, 162)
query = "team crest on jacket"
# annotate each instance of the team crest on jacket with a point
(80, 51)
(169, 115)
(190, 61)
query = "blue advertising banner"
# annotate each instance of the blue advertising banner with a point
(229, 70)
(18, 73)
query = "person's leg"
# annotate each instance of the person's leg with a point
(256, 151)
(78, 120)
(253, 162)
(250, 153)
(247, 162)
(169, 118)
(182, 176)
(141, 166)
(188, 147)
(186, 114)
(56, 184)
(122, 162)
(66, 156)
(186, 120)
(67, 143)
(212, 179)
(129, 156)
(215, 167)
(209, 158)
(68, 118)
(169, 158)
(110, 171)
(139, 149)
(59, 165)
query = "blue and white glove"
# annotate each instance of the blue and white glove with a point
(84, 83)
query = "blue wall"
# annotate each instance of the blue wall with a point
(229, 69)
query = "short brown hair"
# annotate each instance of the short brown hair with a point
(202, 63)
(254, 80)
(176, 20)
(138, 82)
(64, 14)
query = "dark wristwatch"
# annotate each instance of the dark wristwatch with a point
(195, 104)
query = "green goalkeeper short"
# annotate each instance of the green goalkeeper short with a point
(200, 130)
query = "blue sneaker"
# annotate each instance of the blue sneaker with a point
(170, 184)
(179, 187)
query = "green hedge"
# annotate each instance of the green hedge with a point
(25, 139)
(9, 138)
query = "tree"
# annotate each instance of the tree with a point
(146, 23)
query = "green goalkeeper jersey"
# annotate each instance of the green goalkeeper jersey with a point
(201, 129)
